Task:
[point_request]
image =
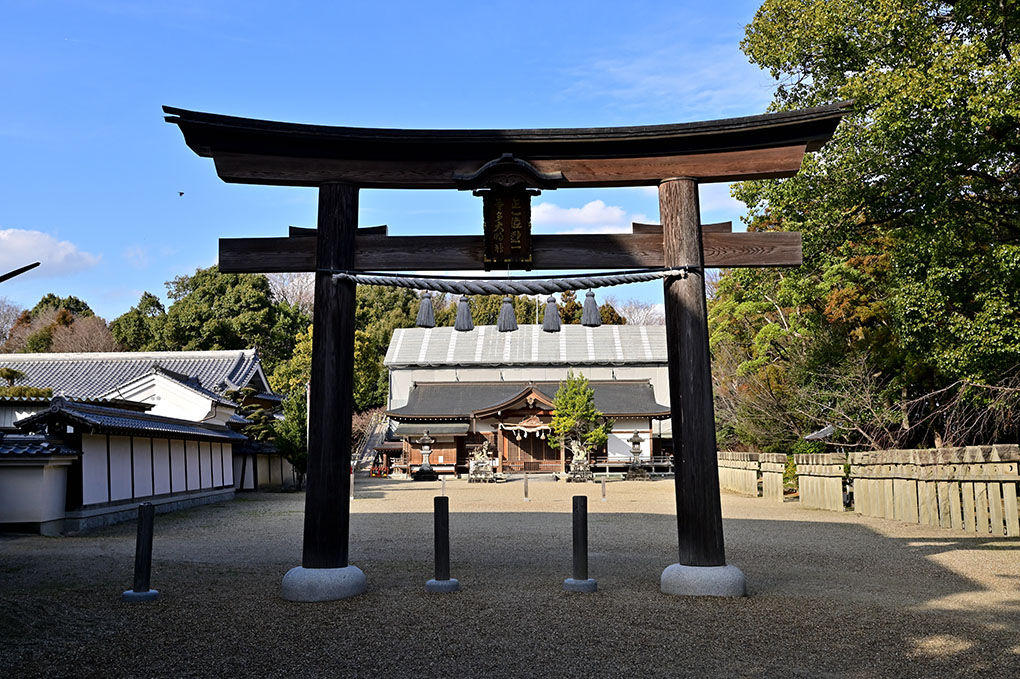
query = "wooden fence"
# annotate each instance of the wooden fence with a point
(773, 467)
(738, 472)
(820, 477)
(972, 489)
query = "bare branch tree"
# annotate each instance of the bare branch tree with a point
(639, 313)
(85, 334)
(9, 312)
(297, 289)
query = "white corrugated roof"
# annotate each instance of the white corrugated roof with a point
(528, 345)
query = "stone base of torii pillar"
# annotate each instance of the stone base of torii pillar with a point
(703, 581)
(322, 584)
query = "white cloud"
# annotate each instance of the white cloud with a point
(672, 84)
(593, 217)
(19, 247)
(137, 256)
(717, 198)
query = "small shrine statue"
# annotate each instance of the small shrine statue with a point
(480, 464)
(580, 467)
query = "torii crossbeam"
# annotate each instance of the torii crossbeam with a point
(341, 160)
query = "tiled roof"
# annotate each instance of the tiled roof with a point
(457, 400)
(112, 402)
(89, 375)
(31, 444)
(101, 420)
(528, 345)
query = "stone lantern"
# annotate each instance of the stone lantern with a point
(425, 472)
(635, 470)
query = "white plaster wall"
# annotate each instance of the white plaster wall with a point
(221, 414)
(226, 450)
(208, 466)
(161, 456)
(238, 462)
(173, 400)
(143, 449)
(170, 399)
(177, 464)
(265, 471)
(10, 414)
(217, 454)
(194, 470)
(618, 443)
(34, 490)
(120, 468)
(93, 469)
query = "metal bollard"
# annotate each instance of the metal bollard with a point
(603, 489)
(526, 498)
(141, 591)
(444, 486)
(442, 582)
(580, 582)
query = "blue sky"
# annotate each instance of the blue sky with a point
(90, 175)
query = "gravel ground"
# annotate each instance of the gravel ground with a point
(830, 594)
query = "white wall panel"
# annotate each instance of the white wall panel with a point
(120, 468)
(143, 466)
(161, 456)
(228, 464)
(178, 464)
(194, 470)
(217, 454)
(93, 469)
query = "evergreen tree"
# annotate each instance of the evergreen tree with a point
(141, 327)
(910, 219)
(575, 417)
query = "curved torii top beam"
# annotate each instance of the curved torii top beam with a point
(250, 151)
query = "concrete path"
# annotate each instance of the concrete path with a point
(830, 594)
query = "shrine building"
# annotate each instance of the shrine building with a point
(468, 387)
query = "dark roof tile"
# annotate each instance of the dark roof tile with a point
(32, 444)
(457, 400)
(103, 420)
(90, 375)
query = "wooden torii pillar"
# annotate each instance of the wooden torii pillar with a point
(340, 160)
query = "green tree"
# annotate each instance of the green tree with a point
(212, 310)
(72, 304)
(11, 375)
(570, 308)
(380, 311)
(910, 218)
(291, 433)
(609, 315)
(22, 391)
(261, 423)
(291, 376)
(575, 417)
(40, 341)
(141, 327)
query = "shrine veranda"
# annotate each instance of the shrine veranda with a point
(506, 168)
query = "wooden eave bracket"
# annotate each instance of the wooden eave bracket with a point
(527, 174)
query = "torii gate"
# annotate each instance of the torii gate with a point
(341, 160)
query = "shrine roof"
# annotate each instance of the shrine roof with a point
(255, 151)
(528, 345)
(445, 401)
